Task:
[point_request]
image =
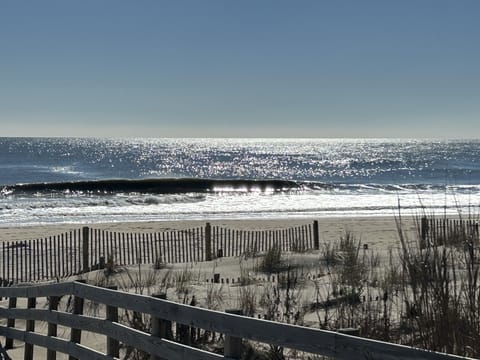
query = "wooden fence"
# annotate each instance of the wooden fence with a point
(161, 339)
(440, 231)
(87, 248)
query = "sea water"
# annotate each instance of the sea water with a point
(70, 180)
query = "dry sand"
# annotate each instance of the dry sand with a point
(376, 231)
(380, 233)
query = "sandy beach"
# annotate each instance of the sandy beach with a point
(379, 232)
(242, 280)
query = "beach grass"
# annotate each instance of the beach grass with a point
(418, 291)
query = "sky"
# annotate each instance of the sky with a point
(224, 68)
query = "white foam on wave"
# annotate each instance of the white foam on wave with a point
(69, 170)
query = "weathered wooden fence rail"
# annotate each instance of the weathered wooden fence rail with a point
(88, 248)
(158, 340)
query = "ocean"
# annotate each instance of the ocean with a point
(85, 180)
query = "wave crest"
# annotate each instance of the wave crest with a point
(153, 186)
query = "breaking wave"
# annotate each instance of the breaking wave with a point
(172, 186)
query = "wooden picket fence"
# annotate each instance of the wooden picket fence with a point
(162, 340)
(87, 249)
(441, 231)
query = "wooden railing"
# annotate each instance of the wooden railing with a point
(85, 249)
(158, 341)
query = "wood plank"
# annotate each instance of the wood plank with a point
(316, 341)
(19, 258)
(30, 271)
(29, 327)
(167, 245)
(73, 253)
(16, 263)
(87, 241)
(184, 249)
(12, 304)
(164, 249)
(40, 259)
(56, 344)
(34, 256)
(123, 333)
(304, 339)
(45, 290)
(130, 249)
(190, 245)
(156, 251)
(113, 346)
(149, 248)
(8, 261)
(4, 273)
(122, 249)
(102, 235)
(52, 327)
(76, 333)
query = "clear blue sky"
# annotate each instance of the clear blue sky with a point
(408, 68)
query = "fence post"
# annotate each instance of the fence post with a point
(232, 347)
(208, 242)
(4, 273)
(316, 238)
(161, 328)
(12, 304)
(113, 346)
(76, 334)
(29, 326)
(85, 241)
(424, 230)
(52, 328)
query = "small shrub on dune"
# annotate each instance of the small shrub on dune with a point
(352, 270)
(330, 255)
(245, 278)
(247, 300)
(272, 261)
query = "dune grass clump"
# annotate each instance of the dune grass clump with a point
(245, 277)
(272, 261)
(353, 268)
(442, 289)
(247, 300)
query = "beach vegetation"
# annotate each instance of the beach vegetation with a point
(246, 277)
(425, 292)
(159, 264)
(251, 251)
(271, 262)
(110, 265)
(183, 283)
(329, 256)
(247, 300)
(214, 296)
(298, 246)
